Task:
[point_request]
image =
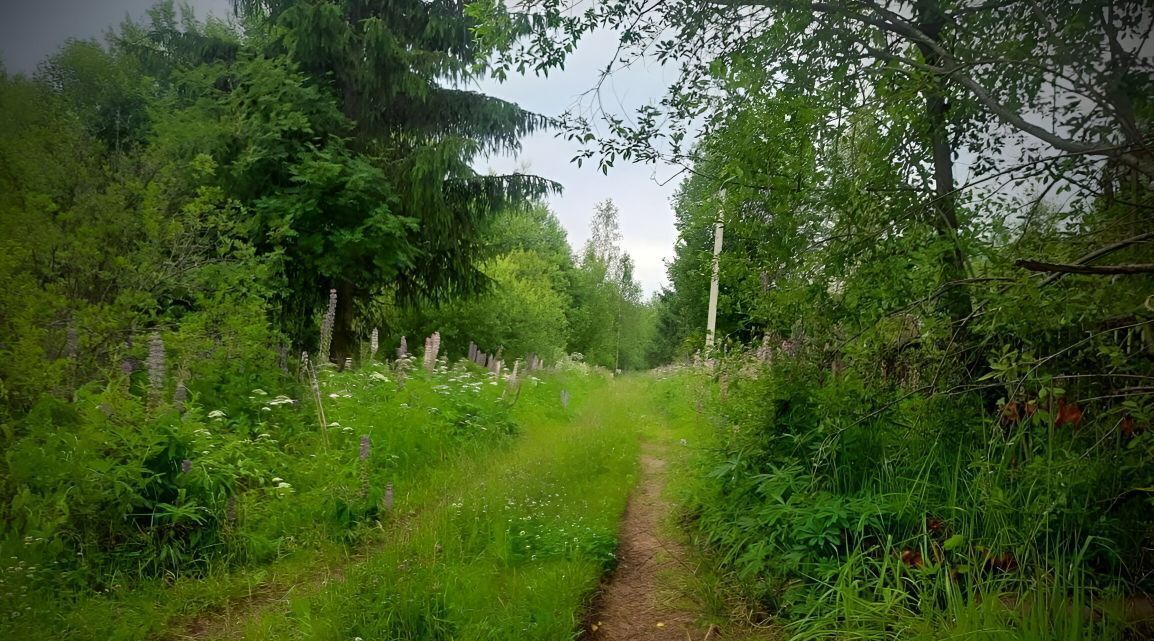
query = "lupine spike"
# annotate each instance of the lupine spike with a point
(180, 395)
(327, 328)
(432, 348)
(156, 368)
(387, 499)
(128, 365)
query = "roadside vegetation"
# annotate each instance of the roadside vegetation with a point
(931, 397)
(514, 550)
(241, 501)
(927, 412)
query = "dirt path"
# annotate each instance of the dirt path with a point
(637, 603)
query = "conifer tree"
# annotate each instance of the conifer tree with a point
(394, 68)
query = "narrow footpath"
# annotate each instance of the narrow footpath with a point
(637, 603)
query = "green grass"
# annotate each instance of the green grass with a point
(430, 436)
(840, 529)
(512, 551)
(508, 506)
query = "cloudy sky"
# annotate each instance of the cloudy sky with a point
(29, 31)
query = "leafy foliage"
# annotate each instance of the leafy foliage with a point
(894, 361)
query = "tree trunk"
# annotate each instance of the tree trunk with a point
(955, 300)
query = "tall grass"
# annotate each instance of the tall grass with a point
(232, 501)
(512, 549)
(845, 512)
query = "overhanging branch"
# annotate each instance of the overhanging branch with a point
(1098, 270)
(1098, 253)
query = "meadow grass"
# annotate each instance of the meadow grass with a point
(512, 551)
(427, 435)
(506, 513)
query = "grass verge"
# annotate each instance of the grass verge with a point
(513, 551)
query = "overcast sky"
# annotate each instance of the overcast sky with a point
(31, 30)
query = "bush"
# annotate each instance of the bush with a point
(822, 484)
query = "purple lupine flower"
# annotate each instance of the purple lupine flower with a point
(128, 365)
(366, 447)
(186, 466)
(156, 369)
(327, 328)
(180, 395)
(432, 348)
(387, 499)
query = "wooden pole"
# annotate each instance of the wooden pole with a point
(711, 321)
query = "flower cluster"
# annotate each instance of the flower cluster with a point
(327, 328)
(432, 348)
(155, 363)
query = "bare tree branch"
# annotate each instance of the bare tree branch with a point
(1100, 270)
(1098, 253)
(891, 22)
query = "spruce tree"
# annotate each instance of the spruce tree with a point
(395, 69)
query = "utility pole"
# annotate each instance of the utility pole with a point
(711, 321)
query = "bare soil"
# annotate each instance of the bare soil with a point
(636, 602)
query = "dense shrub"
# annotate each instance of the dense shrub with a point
(834, 494)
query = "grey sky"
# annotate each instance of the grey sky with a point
(31, 30)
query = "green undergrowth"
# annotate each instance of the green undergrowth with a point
(220, 508)
(838, 509)
(511, 552)
(686, 431)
